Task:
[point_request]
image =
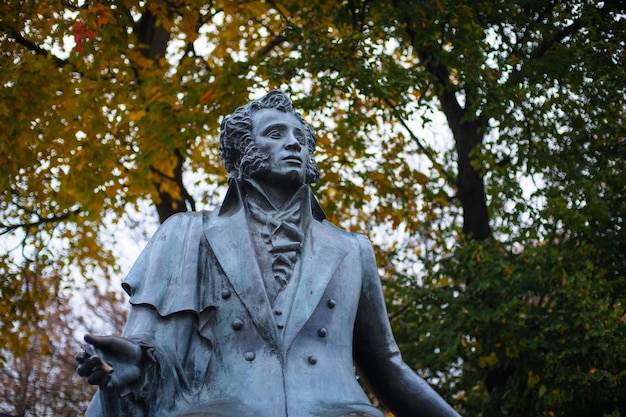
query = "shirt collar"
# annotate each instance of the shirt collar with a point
(300, 196)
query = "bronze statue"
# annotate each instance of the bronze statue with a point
(261, 308)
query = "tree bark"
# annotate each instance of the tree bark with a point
(470, 184)
(468, 132)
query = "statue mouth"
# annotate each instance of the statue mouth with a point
(293, 158)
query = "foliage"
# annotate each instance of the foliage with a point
(91, 134)
(539, 332)
(501, 242)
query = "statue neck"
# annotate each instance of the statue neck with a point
(278, 194)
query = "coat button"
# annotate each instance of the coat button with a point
(225, 293)
(249, 356)
(322, 332)
(312, 360)
(331, 303)
(237, 324)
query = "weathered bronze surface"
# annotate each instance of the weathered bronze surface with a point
(261, 308)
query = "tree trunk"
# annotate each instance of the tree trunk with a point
(471, 187)
(154, 39)
(467, 131)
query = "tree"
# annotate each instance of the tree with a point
(43, 381)
(93, 132)
(520, 315)
(497, 243)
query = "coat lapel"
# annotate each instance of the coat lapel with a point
(321, 255)
(230, 240)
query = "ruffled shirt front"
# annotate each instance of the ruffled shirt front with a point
(277, 234)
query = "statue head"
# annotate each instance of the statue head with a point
(238, 151)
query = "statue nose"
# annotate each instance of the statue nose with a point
(293, 143)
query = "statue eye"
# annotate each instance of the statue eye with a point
(300, 138)
(274, 134)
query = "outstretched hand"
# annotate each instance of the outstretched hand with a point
(109, 361)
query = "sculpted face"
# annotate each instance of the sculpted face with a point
(282, 137)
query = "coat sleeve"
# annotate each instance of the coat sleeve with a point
(164, 383)
(377, 356)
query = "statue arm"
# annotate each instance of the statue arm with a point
(158, 378)
(165, 343)
(162, 289)
(377, 356)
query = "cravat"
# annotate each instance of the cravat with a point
(282, 234)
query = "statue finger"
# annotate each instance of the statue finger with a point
(82, 357)
(91, 364)
(84, 370)
(112, 344)
(88, 365)
(99, 377)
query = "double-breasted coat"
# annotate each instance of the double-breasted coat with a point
(214, 345)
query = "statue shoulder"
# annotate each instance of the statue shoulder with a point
(186, 222)
(188, 217)
(343, 234)
(173, 253)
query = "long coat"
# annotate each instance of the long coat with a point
(215, 346)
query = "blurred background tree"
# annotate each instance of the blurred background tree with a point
(480, 144)
(41, 381)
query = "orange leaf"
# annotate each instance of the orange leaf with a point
(103, 14)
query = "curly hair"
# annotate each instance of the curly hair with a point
(240, 155)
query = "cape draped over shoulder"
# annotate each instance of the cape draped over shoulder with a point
(165, 274)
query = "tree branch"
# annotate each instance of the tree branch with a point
(276, 40)
(427, 152)
(32, 46)
(8, 228)
(398, 313)
(545, 46)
